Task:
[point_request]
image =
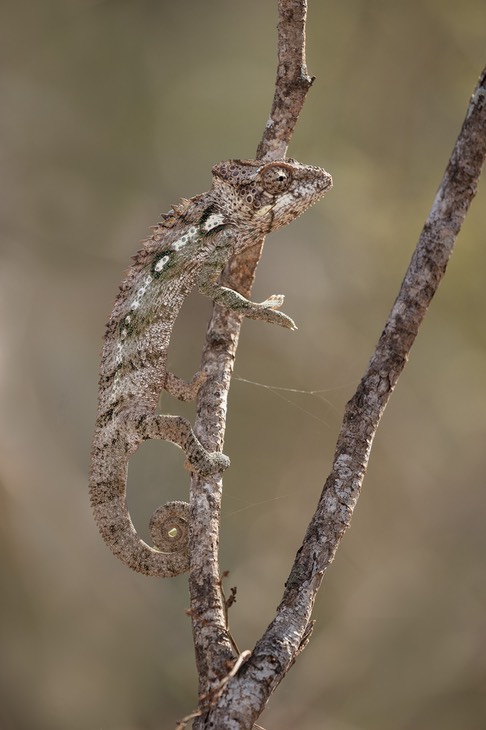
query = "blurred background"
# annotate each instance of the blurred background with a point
(110, 111)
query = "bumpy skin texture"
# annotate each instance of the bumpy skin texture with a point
(188, 248)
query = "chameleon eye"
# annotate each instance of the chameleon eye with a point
(276, 179)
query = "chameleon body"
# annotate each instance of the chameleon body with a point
(188, 249)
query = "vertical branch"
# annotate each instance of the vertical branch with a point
(292, 82)
(212, 645)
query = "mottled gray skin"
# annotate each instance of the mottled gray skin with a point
(188, 249)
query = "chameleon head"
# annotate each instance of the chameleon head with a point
(260, 197)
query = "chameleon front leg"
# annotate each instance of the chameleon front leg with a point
(266, 311)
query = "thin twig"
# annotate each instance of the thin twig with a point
(213, 646)
(228, 601)
(292, 82)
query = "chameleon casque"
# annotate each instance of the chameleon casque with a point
(188, 249)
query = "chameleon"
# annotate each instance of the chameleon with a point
(188, 249)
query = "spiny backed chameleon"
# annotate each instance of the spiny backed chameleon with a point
(188, 249)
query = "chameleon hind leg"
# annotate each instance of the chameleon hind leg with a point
(179, 431)
(181, 389)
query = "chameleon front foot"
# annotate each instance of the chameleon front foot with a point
(269, 312)
(266, 311)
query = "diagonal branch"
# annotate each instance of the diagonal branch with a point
(275, 652)
(212, 644)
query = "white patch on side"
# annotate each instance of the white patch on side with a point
(116, 386)
(141, 292)
(161, 263)
(118, 354)
(124, 331)
(214, 220)
(185, 239)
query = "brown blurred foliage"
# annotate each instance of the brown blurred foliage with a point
(112, 109)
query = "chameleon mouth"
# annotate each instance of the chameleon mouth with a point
(322, 182)
(327, 181)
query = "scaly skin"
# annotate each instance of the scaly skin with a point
(189, 248)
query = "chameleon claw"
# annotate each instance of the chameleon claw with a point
(285, 321)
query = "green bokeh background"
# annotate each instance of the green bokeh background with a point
(111, 110)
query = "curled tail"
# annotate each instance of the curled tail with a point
(169, 525)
